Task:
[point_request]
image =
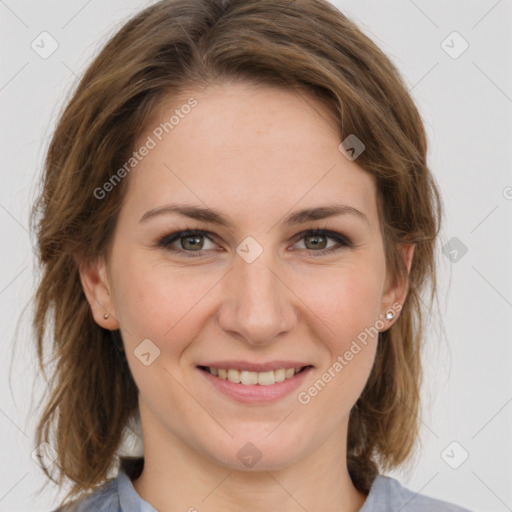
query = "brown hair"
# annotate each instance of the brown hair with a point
(165, 50)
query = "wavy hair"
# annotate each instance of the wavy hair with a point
(168, 48)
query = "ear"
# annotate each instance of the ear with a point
(396, 290)
(97, 288)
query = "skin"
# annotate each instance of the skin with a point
(256, 154)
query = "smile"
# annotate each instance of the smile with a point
(254, 387)
(248, 378)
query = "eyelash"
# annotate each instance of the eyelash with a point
(342, 241)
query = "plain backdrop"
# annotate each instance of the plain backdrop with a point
(462, 84)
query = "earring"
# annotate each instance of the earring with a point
(390, 315)
(105, 316)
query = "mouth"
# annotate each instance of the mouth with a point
(253, 378)
(255, 383)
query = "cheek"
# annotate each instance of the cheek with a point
(158, 302)
(347, 307)
(346, 300)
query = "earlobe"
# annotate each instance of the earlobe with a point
(97, 289)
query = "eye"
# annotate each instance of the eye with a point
(318, 240)
(189, 241)
(192, 241)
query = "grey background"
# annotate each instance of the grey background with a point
(466, 103)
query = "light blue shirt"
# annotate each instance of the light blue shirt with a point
(386, 495)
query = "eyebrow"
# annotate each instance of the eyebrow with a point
(214, 217)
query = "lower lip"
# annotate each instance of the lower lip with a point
(256, 393)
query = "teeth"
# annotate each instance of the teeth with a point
(279, 375)
(248, 377)
(251, 378)
(266, 378)
(234, 376)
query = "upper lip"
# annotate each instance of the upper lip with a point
(255, 367)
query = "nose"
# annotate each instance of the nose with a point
(258, 304)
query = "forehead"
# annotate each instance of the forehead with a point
(243, 148)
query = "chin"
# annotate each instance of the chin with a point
(255, 453)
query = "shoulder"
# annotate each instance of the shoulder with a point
(105, 499)
(388, 494)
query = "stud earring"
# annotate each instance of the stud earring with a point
(390, 315)
(105, 316)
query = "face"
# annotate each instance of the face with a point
(265, 290)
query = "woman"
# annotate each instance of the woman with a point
(236, 225)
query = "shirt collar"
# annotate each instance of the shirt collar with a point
(129, 500)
